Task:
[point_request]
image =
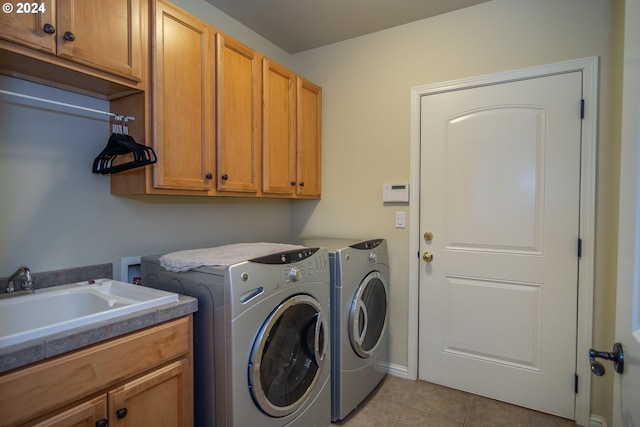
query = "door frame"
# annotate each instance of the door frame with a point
(627, 318)
(589, 68)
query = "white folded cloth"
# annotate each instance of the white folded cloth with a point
(220, 255)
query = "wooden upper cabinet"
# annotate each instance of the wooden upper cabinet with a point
(33, 30)
(224, 120)
(292, 140)
(278, 130)
(103, 34)
(183, 100)
(106, 35)
(238, 106)
(309, 139)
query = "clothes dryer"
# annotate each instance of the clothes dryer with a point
(359, 317)
(261, 338)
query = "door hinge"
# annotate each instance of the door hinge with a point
(579, 248)
(575, 384)
(582, 108)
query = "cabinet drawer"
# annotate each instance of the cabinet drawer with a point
(36, 390)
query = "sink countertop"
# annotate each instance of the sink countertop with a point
(18, 355)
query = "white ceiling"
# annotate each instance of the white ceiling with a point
(299, 25)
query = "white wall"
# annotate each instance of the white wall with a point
(366, 124)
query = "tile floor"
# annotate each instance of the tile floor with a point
(399, 402)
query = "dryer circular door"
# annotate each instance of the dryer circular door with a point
(288, 356)
(368, 315)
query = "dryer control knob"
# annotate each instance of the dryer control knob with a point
(294, 275)
(372, 256)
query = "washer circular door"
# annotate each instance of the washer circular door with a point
(368, 315)
(288, 355)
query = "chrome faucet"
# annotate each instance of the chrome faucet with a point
(26, 283)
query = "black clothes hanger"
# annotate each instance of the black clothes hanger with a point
(122, 145)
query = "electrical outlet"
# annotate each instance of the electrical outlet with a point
(130, 269)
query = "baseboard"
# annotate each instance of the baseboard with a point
(597, 421)
(395, 370)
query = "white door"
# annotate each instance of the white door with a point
(626, 407)
(499, 191)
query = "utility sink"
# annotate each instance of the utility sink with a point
(61, 308)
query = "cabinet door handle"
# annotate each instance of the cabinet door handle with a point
(208, 176)
(121, 413)
(102, 422)
(293, 183)
(69, 36)
(225, 177)
(49, 29)
(302, 184)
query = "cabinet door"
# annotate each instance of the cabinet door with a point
(309, 148)
(278, 129)
(161, 398)
(104, 34)
(183, 101)
(239, 118)
(87, 414)
(28, 29)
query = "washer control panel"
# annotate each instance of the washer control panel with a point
(369, 244)
(306, 269)
(288, 257)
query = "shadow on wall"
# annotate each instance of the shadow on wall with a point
(301, 213)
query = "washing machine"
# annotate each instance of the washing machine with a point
(359, 317)
(261, 338)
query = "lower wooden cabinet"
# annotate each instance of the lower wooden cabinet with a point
(92, 413)
(156, 399)
(161, 398)
(141, 379)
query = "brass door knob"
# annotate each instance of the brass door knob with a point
(428, 236)
(427, 256)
